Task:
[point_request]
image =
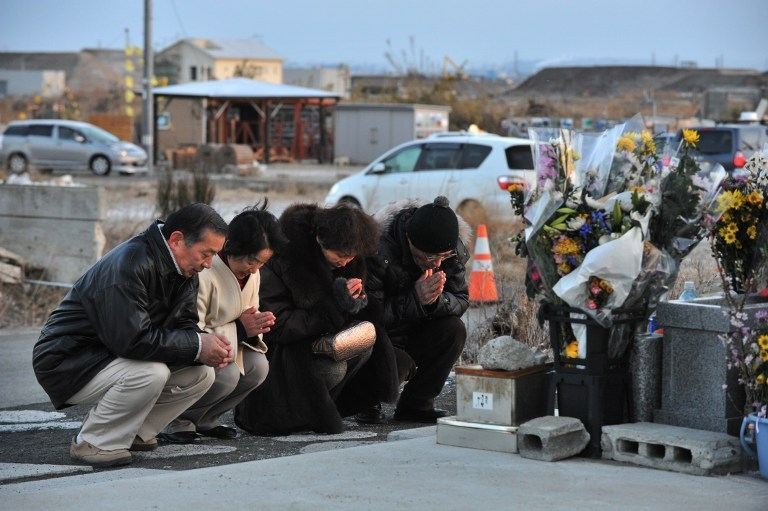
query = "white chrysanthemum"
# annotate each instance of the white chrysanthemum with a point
(574, 224)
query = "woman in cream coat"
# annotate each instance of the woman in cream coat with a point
(228, 304)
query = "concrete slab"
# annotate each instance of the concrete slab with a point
(410, 434)
(476, 435)
(311, 437)
(329, 446)
(13, 471)
(412, 474)
(22, 416)
(28, 487)
(39, 426)
(17, 379)
(174, 451)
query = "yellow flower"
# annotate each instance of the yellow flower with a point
(760, 379)
(763, 341)
(729, 238)
(738, 199)
(566, 246)
(572, 350)
(515, 187)
(752, 233)
(755, 198)
(764, 355)
(626, 143)
(649, 146)
(564, 268)
(732, 227)
(691, 137)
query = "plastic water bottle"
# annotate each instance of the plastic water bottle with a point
(652, 323)
(689, 292)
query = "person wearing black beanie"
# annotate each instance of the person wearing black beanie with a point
(422, 283)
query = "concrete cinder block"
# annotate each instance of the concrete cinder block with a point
(551, 438)
(664, 447)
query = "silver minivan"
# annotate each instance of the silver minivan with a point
(68, 145)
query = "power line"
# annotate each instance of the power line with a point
(178, 18)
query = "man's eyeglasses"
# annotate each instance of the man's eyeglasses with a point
(432, 258)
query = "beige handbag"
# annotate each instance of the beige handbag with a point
(347, 343)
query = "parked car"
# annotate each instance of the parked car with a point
(730, 145)
(68, 145)
(472, 170)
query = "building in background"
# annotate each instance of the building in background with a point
(332, 79)
(48, 84)
(364, 131)
(192, 60)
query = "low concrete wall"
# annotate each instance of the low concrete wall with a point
(54, 227)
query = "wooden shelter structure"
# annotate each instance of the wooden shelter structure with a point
(280, 122)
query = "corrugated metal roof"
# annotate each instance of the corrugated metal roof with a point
(240, 88)
(236, 48)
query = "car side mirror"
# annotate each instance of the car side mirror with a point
(378, 168)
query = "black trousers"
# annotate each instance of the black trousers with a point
(425, 356)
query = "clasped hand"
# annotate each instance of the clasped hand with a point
(430, 286)
(215, 350)
(256, 322)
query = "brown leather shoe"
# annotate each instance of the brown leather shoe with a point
(140, 445)
(98, 457)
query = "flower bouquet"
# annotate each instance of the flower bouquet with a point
(739, 243)
(606, 230)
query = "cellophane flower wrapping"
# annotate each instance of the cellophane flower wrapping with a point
(610, 219)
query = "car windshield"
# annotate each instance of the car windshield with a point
(99, 135)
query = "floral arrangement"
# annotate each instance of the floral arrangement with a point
(599, 291)
(739, 243)
(607, 226)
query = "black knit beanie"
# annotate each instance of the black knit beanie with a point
(434, 228)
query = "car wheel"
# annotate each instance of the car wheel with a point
(17, 163)
(473, 213)
(350, 201)
(100, 165)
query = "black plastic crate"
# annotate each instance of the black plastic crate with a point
(595, 389)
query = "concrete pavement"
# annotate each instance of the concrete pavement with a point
(409, 474)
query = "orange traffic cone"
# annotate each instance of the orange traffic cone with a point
(482, 282)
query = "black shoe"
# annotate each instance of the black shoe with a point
(371, 415)
(223, 432)
(428, 416)
(180, 437)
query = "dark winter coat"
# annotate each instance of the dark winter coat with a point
(394, 280)
(131, 304)
(298, 287)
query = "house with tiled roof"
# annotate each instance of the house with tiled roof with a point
(196, 59)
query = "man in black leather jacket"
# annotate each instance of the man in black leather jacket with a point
(125, 337)
(422, 283)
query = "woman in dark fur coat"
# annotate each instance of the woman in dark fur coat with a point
(317, 287)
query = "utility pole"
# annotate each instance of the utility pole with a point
(147, 127)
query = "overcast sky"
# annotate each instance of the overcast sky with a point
(484, 32)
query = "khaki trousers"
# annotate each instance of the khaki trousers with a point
(229, 388)
(137, 398)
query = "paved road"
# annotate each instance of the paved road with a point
(32, 432)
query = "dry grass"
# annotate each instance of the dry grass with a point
(27, 305)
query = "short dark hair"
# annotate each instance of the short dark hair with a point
(347, 229)
(253, 230)
(192, 221)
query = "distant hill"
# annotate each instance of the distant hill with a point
(607, 81)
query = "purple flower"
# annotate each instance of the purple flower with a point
(598, 217)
